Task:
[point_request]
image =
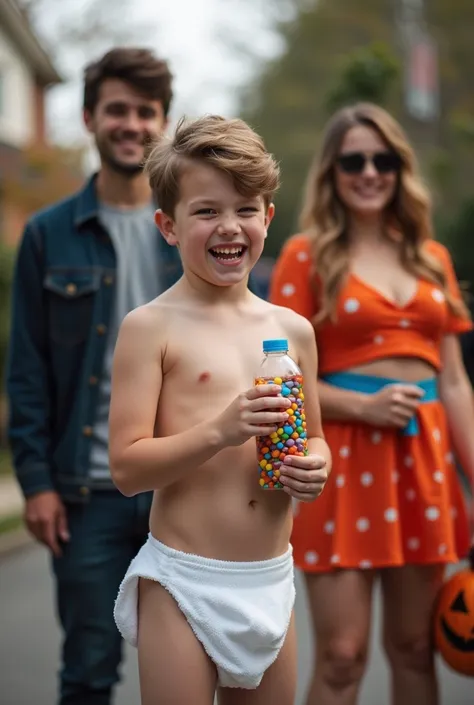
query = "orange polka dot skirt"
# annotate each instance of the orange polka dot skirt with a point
(390, 500)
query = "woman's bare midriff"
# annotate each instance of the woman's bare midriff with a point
(405, 369)
(221, 511)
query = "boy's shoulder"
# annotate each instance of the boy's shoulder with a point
(148, 319)
(296, 325)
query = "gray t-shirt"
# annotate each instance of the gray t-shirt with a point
(135, 239)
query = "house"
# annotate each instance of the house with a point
(26, 74)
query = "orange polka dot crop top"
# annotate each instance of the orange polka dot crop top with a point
(369, 326)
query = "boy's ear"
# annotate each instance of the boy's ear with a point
(269, 216)
(88, 120)
(165, 225)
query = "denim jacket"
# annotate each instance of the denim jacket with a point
(62, 297)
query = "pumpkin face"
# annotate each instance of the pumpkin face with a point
(454, 622)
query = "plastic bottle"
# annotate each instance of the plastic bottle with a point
(279, 368)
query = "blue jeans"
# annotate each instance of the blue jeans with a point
(106, 534)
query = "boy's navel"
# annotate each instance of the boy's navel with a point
(204, 377)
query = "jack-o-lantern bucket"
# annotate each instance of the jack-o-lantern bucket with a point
(454, 621)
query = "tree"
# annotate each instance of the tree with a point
(368, 74)
(68, 26)
(328, 57)
(76, 32)
(451, 23)
(288, 101)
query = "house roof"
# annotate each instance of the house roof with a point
(14, 22)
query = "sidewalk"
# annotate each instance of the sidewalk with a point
(15, 537)
(11, 499)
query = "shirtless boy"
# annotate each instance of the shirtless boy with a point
(215, 579)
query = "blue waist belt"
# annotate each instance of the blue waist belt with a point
(367, 384)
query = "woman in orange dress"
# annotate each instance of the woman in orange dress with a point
(387, 311)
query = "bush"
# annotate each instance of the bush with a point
(457, 233)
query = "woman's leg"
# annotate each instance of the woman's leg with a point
(409, 595)
(173, 666)
(341, 608)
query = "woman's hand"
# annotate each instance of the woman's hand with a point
(392, 406)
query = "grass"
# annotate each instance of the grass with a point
(10, 524)
(14, 522)
(5, 462)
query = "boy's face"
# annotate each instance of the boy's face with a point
(220, 233)
(123, 122)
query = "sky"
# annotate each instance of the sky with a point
(198, 37)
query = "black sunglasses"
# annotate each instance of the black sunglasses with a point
(355, 162)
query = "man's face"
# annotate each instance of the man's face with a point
(123, 122)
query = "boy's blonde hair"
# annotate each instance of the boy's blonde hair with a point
(230, 146)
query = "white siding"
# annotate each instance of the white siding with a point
(16, 99)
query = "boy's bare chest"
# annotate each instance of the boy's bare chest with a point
(221, 360)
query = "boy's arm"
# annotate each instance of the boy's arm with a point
(138, 461)
(308, 362)
(304, 478)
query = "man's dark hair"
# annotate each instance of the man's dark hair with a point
(140, 68)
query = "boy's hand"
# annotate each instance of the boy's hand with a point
(303, 477)
(256, 412)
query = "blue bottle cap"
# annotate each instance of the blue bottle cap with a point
(278, 345)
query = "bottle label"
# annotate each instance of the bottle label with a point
(288, 439)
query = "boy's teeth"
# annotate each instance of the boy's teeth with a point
(227, 252)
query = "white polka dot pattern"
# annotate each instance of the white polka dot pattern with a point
(351, 305)
(413, 543)
(288, 290)
(390, 515)
(366, 479)
(432, 513)
(362, 524)
(311, 557)
(329, 527)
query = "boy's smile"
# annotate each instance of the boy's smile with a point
(228, 255)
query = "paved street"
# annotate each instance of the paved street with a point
(29, 642)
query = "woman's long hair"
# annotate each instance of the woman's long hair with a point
(408, 216)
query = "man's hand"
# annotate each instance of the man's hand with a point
(303, 477)
(45, 517)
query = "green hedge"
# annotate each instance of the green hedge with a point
(457, 233)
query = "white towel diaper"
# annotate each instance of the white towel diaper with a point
(239, 611)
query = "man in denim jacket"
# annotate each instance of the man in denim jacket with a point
(82, 265)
